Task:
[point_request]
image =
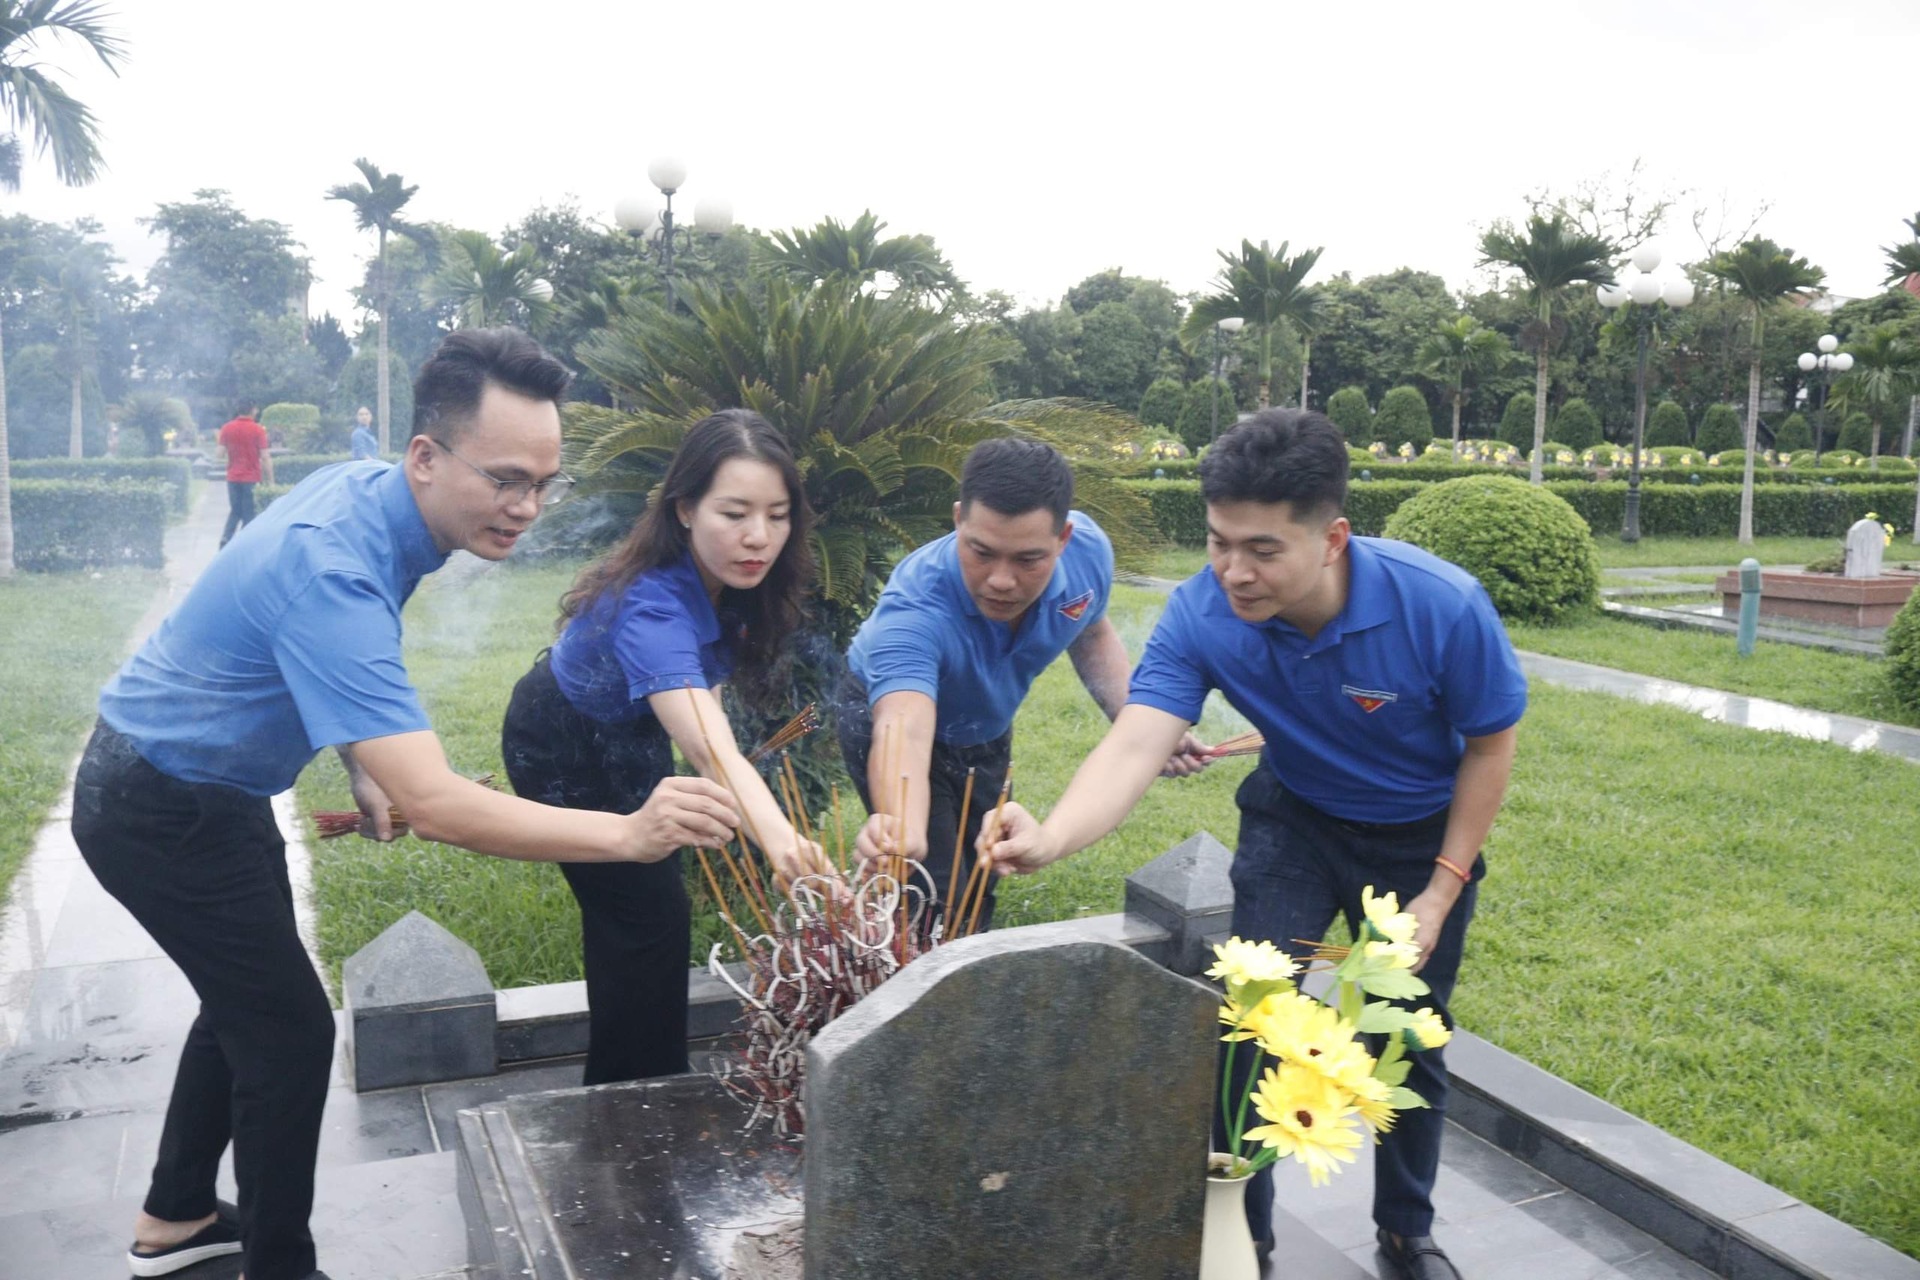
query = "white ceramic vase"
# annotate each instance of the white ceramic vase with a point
(1226, 1245)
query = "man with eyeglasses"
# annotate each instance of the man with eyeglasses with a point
(290, 642)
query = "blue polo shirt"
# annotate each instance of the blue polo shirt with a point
(661, 633)
(1367, 720)
(926, 634)
(365, 443)
(289, 642)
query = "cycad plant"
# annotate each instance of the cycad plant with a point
(1763, 275)
(1551, 256)
(1458, 353)
(1268, 290)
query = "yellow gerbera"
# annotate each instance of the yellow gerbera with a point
(1309, 1118)
(1370, 1102)
(1240, 961)
(1429, 1030)
(1386, 917)
(1301, 1030)
(1392, 955)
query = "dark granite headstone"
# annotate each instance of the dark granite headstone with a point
(1186, 892)
(420, 1007)
(1011, 1108)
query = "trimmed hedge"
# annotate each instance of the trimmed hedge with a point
(78, 524)
(1682, 510)
(1667, 425)
(1516, 421)
(1719, 430)
(1528, 548)
(175, 473)
(290, 469)
(1903, 653)
(1404, 418)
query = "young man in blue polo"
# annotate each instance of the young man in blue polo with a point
(962, 629)
(1388, 694)
(289, 643)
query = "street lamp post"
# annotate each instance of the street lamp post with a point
(1222, 330)
(637, 217)
(1643, 292)
(1826, 363)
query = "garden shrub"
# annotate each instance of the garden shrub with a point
(1719, 430)
(1532, 551)
(1516, 421)
(1349, 411)
(1576, 426)
(293, 426)
(1160, 406)
(1371, 504)
(1903, 653)
(1404, 418)
(1792, 434)
(175, 473)
(1177, 508)
(77, 524)
(1195, 424)
(1667, 425)
(1856, 434)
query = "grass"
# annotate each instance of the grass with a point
(1802, 677)
(62, 637)
(1699, 923)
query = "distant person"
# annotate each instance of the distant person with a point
(365, 443)
(288, 644)
(247, 460)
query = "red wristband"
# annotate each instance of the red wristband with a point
(1451, 865)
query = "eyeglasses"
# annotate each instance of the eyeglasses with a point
(550, 491)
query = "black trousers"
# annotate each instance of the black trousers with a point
(947, 780)
(239, 508)
(635, 918)
(203, 869)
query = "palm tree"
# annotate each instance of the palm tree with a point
(1460, 351)
(855, 253)
(1265, 288)
(1762, 274)
(1551, 256)
(1885, 375)
(377, 203)
(488, 287)
(62, 128)
(1903, 269)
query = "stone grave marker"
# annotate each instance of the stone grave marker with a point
(1866, 544)
(1012, 1108)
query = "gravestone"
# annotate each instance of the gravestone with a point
(419, 1007)
(1866, 544)
(1012, 1108)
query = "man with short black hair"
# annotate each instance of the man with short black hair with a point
(1388, 694)
(289, 643)
(962, 629)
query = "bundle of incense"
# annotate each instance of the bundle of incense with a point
(334, 823)
(1246, 744)
(787, 734)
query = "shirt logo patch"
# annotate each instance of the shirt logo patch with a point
(1370, 700)
(1076, 608)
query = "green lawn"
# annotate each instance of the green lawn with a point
(1702, 924)
(1802, 677)
(61, 637)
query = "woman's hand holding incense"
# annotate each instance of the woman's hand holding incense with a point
(877, 842)
(681, 811)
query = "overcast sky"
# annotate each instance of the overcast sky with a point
(1037, 142)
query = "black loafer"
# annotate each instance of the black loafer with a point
(1416, 1257)
(215, 1240)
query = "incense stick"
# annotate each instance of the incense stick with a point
(959, 843)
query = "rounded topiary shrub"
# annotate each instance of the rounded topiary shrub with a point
(1349, 411)
(1160, 406)
(1528, 547)
(1667, 424)
(1206, 402)
(1516, 421)
(1719, 430)
(1856, 434)
(1404, 418)
(1576, 426)
(1792, 434)
(1903, 653)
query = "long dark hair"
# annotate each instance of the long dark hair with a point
(776, 608)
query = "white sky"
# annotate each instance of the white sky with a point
(1038, 142)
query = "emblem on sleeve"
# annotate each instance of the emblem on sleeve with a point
(1076, 608)
(1370, 700)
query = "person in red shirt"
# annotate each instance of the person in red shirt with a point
(247, 460)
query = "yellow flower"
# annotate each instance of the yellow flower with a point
(1429, 1030)
(1392, 955)
(1386, 917)
(1240, 961)
(1309, 1118)
(1301, 1030)
(1370, 1103)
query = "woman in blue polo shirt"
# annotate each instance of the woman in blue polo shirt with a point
(706, 589)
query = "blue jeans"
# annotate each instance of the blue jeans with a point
(1295, 868)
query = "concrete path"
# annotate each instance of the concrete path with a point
(92, 1017)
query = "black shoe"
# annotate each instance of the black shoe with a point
(1416, 1257)
(215, 1240)
(1263, 1249)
